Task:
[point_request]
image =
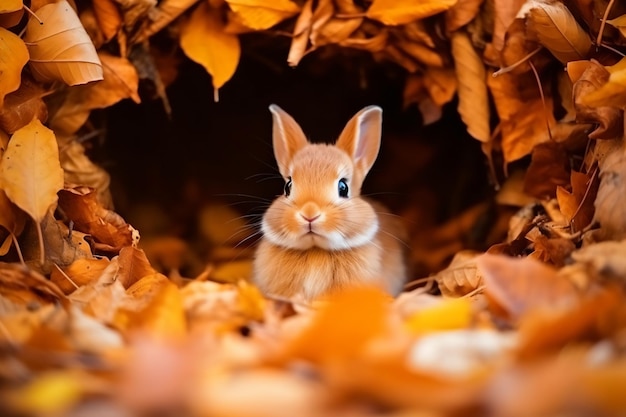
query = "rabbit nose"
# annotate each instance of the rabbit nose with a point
(310, 219)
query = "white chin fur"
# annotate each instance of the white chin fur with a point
(330, 241)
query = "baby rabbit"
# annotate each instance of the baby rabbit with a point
(321, 235)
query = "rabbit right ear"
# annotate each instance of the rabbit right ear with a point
(287, 138)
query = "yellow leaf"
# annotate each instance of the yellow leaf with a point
(13, 57)
(263, 14)
(30, 172)
(60, 49)
(204, 41)
(399, 12)
(449, 315)
(49, 394)
(619, 23)
(556, 29)
(473, 98)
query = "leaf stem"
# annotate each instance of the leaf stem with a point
(603, 24)
(42, 257)
(17, 248)
(543, 99)
(516, 64)
(33, 15)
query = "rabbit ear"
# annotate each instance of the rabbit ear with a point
(361, 138)
(287, 138)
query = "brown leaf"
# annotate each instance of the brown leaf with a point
(461, 13)
(505, 13)
(60, 49)
(549, 168)
(22, 106)
(461, 276)
(611, 197)
(399, 12)
(473, 100)
(619, 23)
(522, 285)
(204, 41)
(420, 53)
(166, 12)
(11, 218)
(263, 14)
(612, 92)
(30, 172)
(556, 29)
(109, 230)
(108, 17)
(120, 81)
(524, 120)
(14, 56)
(577, 205)
(301, 33)
(133, 265)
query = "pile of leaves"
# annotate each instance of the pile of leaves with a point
(534, 326)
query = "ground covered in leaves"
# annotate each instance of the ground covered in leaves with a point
(98, 318)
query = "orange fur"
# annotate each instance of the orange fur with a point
(316, 241)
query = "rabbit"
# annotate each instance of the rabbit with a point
(321, 235)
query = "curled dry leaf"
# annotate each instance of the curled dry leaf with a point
(14, 56)
(204, 40)
(108, 229)
(556, 29)
(166, 12)
(263, 14)
(471, 78)
(335, 31)
(22, 106)
(613, 92)
(108, 17)
(577, 205)
(60, 49)
(30, 172)
(461, 276)
(120, 81)
(399, 12)
(301, 32)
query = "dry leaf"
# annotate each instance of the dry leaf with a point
(549, 168)
(263, 14)
(22, 106)
(610, 197)
(595, 82)
(109, 230)
(577, 206)
(449, 315)
(471, 78)
(14, 56)
(203, 40)
(120, 81)
(461, 276)
(420, 53)
(522, 285)
(619, 23)
(163, 15)
(461, 13)
(399, 12)
(11, 13)
(31, 174)
(612, 92)
(301, 33)
(11, 218)
(505, 12)
(79, 273)
(60, 49)
(524, 120)
(556, 29)
(108, 17)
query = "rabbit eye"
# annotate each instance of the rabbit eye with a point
(342, 187)
(288, 187)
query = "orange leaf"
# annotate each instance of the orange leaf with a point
(343, 327)
(14, 56)
(263, 14)
(108, 17)
(577, 206)
(30, 172)
(204, 40)
(11, 13)
(22, 106)
(399, 12)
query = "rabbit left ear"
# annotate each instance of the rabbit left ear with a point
(361, 138)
